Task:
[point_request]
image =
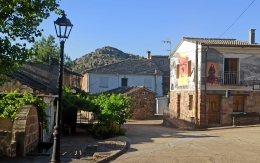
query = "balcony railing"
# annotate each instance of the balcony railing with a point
(231, 78)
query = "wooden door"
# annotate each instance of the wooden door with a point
(179, 106)
(214, 110)
(238, 103)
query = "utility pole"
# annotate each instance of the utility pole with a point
(196, 85)
(168, 41)
(205, 91)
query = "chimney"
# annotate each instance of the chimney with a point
(148, 55)
(252, 36)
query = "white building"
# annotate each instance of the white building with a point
(129, 72)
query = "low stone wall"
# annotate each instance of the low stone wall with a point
(144, 102)
(245, 119)
(26, 129)
(7, 146)
(177, 123)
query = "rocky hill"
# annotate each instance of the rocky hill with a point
(100, 57)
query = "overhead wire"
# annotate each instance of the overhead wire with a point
(228, 27)
(237, 19)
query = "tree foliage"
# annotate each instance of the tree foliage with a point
(112, 108)
(112, 111)
(47, 51)
(19, 22)
(74, 100)
(11, 101)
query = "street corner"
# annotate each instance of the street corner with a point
(109, 149)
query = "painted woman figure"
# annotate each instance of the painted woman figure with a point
(211, 77)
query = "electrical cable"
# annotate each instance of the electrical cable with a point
(237, 18)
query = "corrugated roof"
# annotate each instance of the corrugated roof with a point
(128, 66)
(34, 84)
(228, 42)
(127, 90)
(159, 56)
(218, 41)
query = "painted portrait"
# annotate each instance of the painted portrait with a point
(212, 73)
(183, 69)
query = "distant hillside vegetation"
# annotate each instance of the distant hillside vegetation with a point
(100, 57)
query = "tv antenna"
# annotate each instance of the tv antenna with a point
(168, 41)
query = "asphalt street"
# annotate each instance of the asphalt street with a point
(153, 143)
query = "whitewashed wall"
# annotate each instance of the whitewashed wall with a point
(92, 82)
(190, 49)
(50, 109)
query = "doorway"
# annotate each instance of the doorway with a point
(179, 106)
(214, 110)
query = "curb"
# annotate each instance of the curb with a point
(109, 158)
(221, 128)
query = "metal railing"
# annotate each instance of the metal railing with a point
(231, 78)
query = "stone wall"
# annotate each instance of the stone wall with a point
(245, 119)
(7, 146)
(185, 111)
(26, 129)
(15, 84)
(178, 123)
(144, 103)
(251, 104)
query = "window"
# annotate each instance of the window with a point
(178, 70)
(148, 83)
(103, 82)
(189, 68)
(142, 104)
(190, 102)
(179, 106)
(161, 62)
(124, 82)
(172, 86)
(238, 103)
(231, 71)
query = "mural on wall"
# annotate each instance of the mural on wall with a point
(183, 69)
(212, 76)
(250, 67)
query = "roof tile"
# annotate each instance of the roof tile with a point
(128, 66)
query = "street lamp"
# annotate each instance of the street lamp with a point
(63, 27)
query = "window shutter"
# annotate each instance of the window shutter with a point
(148, 83)
(103, 82)
(178, 70)
(189, 68)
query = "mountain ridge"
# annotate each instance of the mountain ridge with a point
(100, 57)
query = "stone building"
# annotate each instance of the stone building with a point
(41, 80)
(163, 63)
(215, 81)
(143, 100)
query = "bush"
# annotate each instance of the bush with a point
(11, 101)
(103, 130)
(112, 108)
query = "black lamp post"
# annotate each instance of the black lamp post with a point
(63, 27)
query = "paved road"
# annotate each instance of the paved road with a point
(153, 143)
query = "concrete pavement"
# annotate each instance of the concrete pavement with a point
(153, 143)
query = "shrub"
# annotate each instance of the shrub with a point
(11, 101)
(103, 130)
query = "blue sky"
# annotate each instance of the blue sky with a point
(135, 26)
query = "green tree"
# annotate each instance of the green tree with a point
(46, 51)
(19, 22)
(11, 101)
